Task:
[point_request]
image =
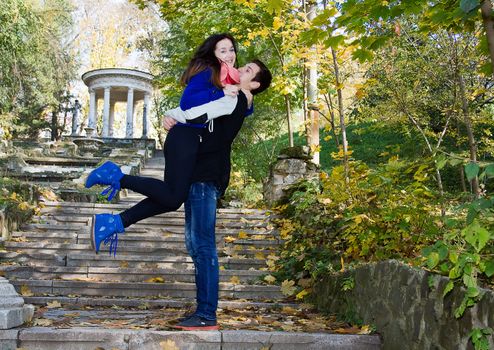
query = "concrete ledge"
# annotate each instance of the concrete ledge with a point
(91, 338)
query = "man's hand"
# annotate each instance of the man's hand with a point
(231, 90)
(168, 123)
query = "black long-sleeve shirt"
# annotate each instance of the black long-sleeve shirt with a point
(213, 160)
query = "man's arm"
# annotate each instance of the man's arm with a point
(213, 109)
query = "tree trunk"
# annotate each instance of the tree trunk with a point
(471, 139)
(304, 105)
(486, 10)
(341, 111)
(288, 119)
(312, 92)
(329, 103)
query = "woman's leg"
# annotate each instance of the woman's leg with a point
(181, 147)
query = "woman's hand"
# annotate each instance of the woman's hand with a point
(231, 90)
(168, 123)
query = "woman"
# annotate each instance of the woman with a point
(209, 76)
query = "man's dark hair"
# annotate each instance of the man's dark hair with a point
(263, 77)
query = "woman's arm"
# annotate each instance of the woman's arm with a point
(199, 91)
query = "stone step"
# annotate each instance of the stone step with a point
(152, 303)
(65, 206)
(79, 338)
(119, 274)
(143, 229)
(139, 289)
(88, 259)
(175, 239)
(127, 248)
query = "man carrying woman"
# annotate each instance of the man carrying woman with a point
(197, 157)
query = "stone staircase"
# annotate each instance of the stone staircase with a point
(89, 301)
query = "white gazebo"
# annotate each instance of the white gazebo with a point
(117, 85)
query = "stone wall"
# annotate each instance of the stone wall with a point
(407, 311)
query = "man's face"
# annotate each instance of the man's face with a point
(247, 73)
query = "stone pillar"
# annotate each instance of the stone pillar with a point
(106, 112)
(75, 118)
(145, 111)
(129, 131)
(93, 104)
(13, 312)
(112, 119)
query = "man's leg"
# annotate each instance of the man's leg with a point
(200, 210)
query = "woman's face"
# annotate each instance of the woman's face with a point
(225, 51)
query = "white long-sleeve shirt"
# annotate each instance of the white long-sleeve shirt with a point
(214, 109)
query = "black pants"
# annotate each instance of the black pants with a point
(180, 150)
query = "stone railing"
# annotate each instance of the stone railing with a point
(406, 306)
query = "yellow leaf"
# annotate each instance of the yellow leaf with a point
(25, 291)
(270, 279)
(288, 287)
(169, 345)
(277, 23)
(222, 268)
(235, 280)
(302, 294)
(124, 264)
(53, 305)
(342, 264)
(229, 239)
(43, 322)
(242, 235)
(155, 280)
(259, 256)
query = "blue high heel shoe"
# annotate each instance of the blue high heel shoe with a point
(105, 228)
(107, 174)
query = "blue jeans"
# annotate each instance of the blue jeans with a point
(200, 222)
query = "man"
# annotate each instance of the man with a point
(209, 180)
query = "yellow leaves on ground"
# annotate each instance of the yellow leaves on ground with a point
(288, 287)
(155, 280)
(169, 345)
(25, 291)
(235, 280)
(124, 264)
(53, 305)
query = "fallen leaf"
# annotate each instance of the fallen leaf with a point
(302, 294)
(288, 287)
(25, 291)
(124, 264)
(229, 239)
(168, 345)
(259, 256)
(155, 280)
(222, 268)
(235, 280)
(43, 322)
(242, 235)
(270, 279)
(53, 305)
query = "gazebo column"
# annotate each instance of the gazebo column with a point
(145, 111)
(106, 112)
(112, 119)
(91, 124)
(129, 131)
